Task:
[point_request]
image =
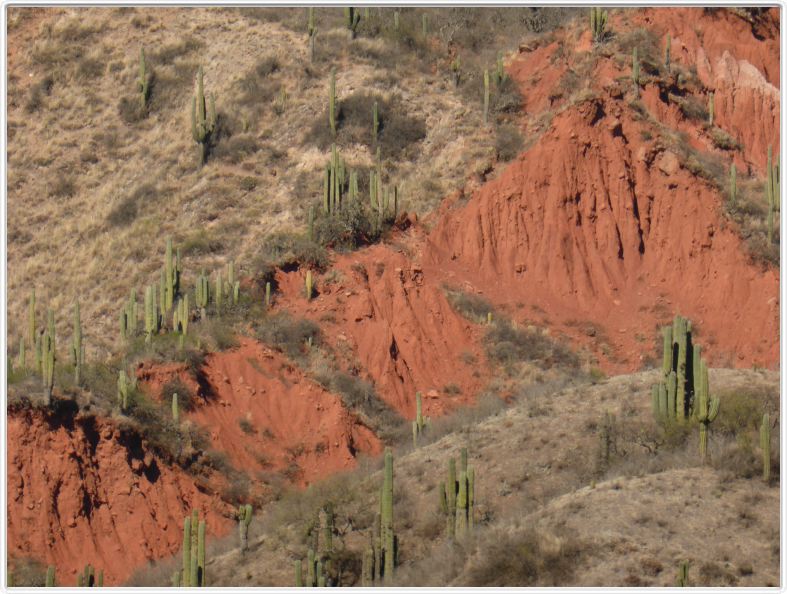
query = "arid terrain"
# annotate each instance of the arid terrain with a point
(499, 210)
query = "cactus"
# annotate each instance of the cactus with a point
(87, 579)
(20, 360)
(456, 66)
(123, 389)
(387, 531)
(39, 355)
(203, 121)
(486, 96)
(309, 286)
(352, 19)
(31, 317)
(375, 123)
(50, 576)
(396, 20)
(267, 294)
(598, 24)
(683, 574)
(170, 276)
(244, 519)
(327, 529)
(48, 358)
(193, 571)
(311, 567)
(77, 352)
(450, 498)
(186, 577)
(733, 185)
(710, 109)
(419, 424)
(299, 566)
(765, 446)
(219, 290)
(332, 102)
(706, 408)
(151, 313)
(500, 73)
(143, 82)
(367, 568)
(312, 34)
(667, 52)
(175, 409)
(424, 25)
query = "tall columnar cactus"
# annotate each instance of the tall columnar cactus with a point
(309, 286)
(598, 24)
(48, 358)
(387, 530)
(396, 20)
(683, 574)
(50, 576)
(267, 294)
(332, 102)
(312, 29)
(244, 519)
(175, 409)
(219, 290)
(20, 359)
(681, 333)
(419, 424)
(143, 82)
(185, 579)
(667, 52)
(193, 567)
(424, 25)
(457, 498)
(31, 317)
(456, 71)
(733, 185)
(77, 352)
(706, 408)
(123, 390)
(451, 488)
(486, 96)
(327, 529)
(203, 117)
(375, 122)
(151, 313)
(170, 275)
(299, 571)
(352, 18)
(710, 109)
(87, 579)
(765, 446)
(311, 568)
(500, 72)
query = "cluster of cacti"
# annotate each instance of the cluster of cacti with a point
(711, 109)
(352, 18)
(77, 350)
(48, 358)
(667, 52)
(312, 33)
(88, 578)
(765, 446)
(598, 23)
(457, 498)
(192, 573)
(379, 559)
(772, 192)
(683, 574)
(203, 117)
(128, 317)
(420, 423)
(244, 515)
(143, 82)
(332, 114)
(318, 563)
(684, 389)
(335, 183)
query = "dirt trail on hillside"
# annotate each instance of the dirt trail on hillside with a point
(85, 492)
(267, 416)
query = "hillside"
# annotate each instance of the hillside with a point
(513, 266)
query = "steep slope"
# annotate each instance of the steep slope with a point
(394, 319)
(267, 417)
(84, 491)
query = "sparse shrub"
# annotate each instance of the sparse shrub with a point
(234, 149)
(90, 68)
(246, 426)
(508, 142)
(248, 183)
(723, 140)
(289, 252)
(38, 92)
(64, 187)
(125, 212)
(472, 306)
(506, 344)
(202, 242)
(186, 398)
(289, 335)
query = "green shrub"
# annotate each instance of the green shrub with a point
(506, 344)
(508, 142)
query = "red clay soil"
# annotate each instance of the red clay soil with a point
(293, 425)
(89, 493)
(736, 59)
(595, 224)
(394, 322)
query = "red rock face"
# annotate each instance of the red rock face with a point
(595, 224)
(267, 416)
(87, 493)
